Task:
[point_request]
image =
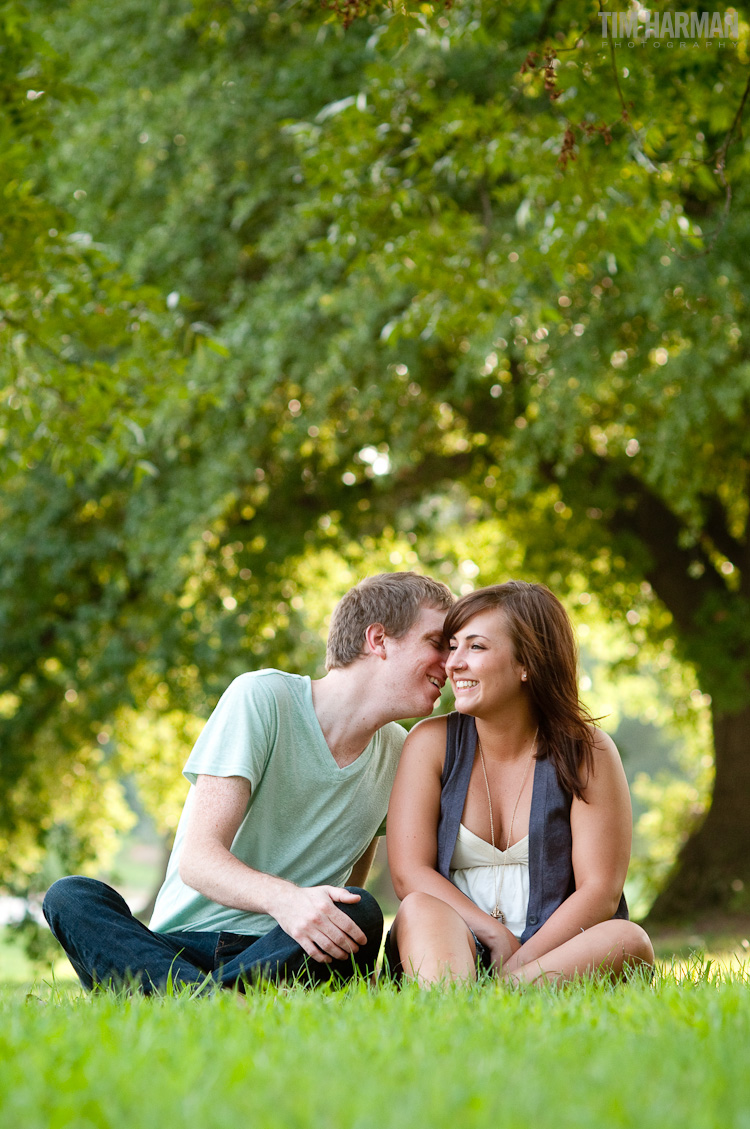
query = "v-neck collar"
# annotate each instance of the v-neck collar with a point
(327, 759)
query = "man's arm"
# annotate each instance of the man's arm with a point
(361, 868)
(207, 865)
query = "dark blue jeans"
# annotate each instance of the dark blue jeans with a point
(107, 945)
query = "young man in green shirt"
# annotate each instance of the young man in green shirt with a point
(290, 784)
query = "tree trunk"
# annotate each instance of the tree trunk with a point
(712, 871)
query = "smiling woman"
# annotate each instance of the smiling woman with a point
(520, 766)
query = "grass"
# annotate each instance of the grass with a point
(672, 1052)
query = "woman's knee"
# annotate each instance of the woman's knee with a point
(627, 939)
(432, 940)
(417, 906)
(638, 945)
(422, 916)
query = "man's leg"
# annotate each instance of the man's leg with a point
(277, 956)
(107, 945)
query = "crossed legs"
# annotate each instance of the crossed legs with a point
(435, 944)
(611, 947)
(107, 945)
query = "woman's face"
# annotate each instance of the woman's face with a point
(482, 667)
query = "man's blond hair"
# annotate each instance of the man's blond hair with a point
(394, 599)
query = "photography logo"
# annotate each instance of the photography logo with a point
(643, 27)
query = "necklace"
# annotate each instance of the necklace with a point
(497, 913)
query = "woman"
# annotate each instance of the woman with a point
(509, 825)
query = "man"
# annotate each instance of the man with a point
(291, 780)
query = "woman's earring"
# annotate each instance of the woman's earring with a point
(523, 676)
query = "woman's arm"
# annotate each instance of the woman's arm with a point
(601, 829)
(411, 834)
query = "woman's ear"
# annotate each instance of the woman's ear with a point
(375, 637)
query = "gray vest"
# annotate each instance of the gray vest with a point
(551, 878)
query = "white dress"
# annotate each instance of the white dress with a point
(474, 867)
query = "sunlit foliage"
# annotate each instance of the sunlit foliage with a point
(357, 289)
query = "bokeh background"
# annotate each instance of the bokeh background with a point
(293, 294)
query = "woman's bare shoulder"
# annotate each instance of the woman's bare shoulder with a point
(603, 746)
(427, 734)
(436, 726)
(607, 763)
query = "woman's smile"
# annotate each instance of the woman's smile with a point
(483, 646)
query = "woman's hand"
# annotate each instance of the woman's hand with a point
(499, 942)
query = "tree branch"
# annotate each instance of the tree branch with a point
(716, 527)
(544, 26)
(671, 570)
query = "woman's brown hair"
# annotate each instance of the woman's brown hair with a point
(544, 644)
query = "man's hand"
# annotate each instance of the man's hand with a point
(311, 916)
(308, 914)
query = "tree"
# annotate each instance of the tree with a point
(493, 276)
(76, 338)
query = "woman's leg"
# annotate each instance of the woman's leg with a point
(610, 947)
(433, 942)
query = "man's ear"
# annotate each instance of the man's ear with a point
(375, 636)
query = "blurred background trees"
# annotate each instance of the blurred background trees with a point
(289, 302)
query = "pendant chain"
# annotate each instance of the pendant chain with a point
(497, 913)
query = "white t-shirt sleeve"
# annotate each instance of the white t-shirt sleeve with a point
(239, 735)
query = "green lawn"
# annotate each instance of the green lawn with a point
(668, 1053)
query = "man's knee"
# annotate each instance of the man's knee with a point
(70, 897)
(63, 895)
(366, 912)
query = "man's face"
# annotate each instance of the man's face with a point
(416, 664)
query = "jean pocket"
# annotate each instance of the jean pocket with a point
(231, 945)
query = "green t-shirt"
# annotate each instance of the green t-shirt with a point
(307, 821)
